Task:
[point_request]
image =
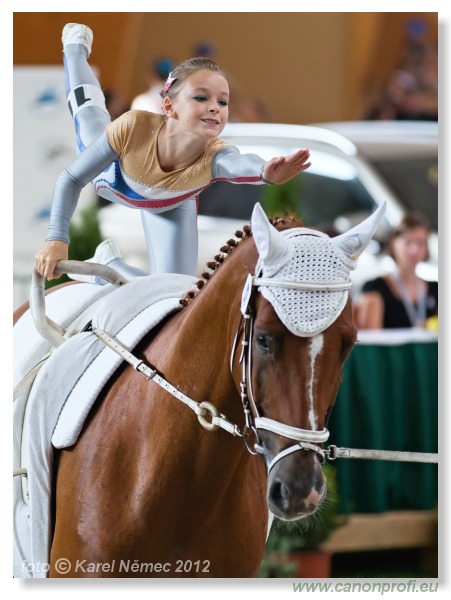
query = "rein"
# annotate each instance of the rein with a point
(201, 409)
(307, 439)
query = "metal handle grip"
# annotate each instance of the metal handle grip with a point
(50, 330)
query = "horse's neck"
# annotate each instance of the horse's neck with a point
(202, 336)
(213, 316)
(218, 297)
(192, 351)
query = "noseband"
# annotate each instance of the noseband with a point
(306, 439)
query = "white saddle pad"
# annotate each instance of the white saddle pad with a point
(64, 391)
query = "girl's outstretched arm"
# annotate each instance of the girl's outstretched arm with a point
(283, 168)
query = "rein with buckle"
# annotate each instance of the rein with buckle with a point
(306, 439)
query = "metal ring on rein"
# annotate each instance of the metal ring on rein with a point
(213, 412)
(247, 443)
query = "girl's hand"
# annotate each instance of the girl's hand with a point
(283, 168)
(49, 255)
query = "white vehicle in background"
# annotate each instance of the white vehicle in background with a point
(347, 181)
(405, 155)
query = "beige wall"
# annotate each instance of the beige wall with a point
(306, 67)
(272, 57)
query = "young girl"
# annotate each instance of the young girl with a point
(156, 163)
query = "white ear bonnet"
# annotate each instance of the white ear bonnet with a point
(308, 256)
(307, 313)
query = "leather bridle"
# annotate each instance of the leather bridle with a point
(305, 439)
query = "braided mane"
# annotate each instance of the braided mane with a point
(279, 222)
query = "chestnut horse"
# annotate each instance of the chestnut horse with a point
(147, 491)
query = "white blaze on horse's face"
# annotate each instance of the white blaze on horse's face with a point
(316, 345)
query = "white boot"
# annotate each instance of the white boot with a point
(73, 33)
(105, 253)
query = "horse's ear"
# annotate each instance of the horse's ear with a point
(274, 250)
(354, 241)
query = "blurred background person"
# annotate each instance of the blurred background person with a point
(206, 50)
(255, 110)
(401, 299)
(151, 99)
(411, 91)
(115, 103)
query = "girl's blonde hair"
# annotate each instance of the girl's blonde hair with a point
(181, 73)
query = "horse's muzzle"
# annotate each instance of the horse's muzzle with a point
(292, 498)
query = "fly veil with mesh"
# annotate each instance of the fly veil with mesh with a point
(308, 256)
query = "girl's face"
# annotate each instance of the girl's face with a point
(410, 248)
(202, 104)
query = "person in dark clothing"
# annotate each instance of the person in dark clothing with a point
(401, 299)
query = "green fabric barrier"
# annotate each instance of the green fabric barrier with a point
(387, 401)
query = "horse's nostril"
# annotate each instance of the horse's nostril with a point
(284, 493)
(280, 495)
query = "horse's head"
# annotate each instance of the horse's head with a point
(300, 330)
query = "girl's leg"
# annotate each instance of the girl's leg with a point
(87, 106)
(172, 245)
(85, 97)
(172, 239)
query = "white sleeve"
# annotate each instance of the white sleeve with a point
(92, 161)
(230, 165)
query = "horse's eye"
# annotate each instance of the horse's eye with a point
(264, 342)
